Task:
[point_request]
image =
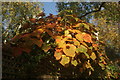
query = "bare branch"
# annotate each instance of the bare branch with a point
(93, 11)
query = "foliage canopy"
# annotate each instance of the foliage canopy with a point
(71, 41)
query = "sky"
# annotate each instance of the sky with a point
(50, 7)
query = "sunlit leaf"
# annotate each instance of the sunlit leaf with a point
(88, 65)
(87, 37)
(58, 55)
(66, 32)
(69, 50)
(86, 26)
(93, 56)
(76, 42)
(74, 62)
(79, 37)
(102, 65)
(65, 60)
(82, 49)
(87, 55)
(40, 31)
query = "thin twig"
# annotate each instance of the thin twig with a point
(93, 11)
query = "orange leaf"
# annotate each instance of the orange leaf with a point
(58, 55)
(58, 49)
(87, 37)
(51, 25)
(77, 25)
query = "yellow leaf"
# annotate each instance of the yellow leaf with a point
(40, 31)
(66, 32)
(69, 50)
(61, 44)
(79, 37)
(65, 60)
(93, 56)
(76, 42)
(58, 55)
(86, 26)
(74, 62)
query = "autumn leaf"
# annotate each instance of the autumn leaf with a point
(40, 31)
(82, 49)
(69, 50)
(93, 56)
(33, 20)
(79, 37)
(58, 55)
(65, 60)
(76, 42)
(87, 37)
(66, 32)
(74, 62)
(86, 55)
(58, 49)
(88, 65)
(102, 65)
(77, 25)
(95, 46)
(85, 26)
(51, 25)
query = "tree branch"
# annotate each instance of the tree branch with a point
(93, 11)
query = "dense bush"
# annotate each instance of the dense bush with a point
(71, 41)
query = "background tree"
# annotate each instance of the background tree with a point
(15, 14)
(81, 9)
(110, 31)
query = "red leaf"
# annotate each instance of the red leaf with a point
(33, 20)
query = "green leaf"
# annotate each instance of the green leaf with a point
(82, 49)
(87, 55)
